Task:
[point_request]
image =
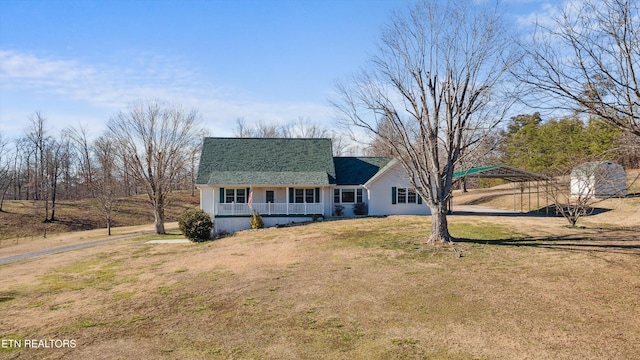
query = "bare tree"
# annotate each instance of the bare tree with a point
(80, 142)
(379, 145)
(46, 164)
(261, 129)
(241, 130)
(267, 130)
(340, 144)
(588, 60)
(195, 150)
(105, 184)
(434, 82)
(37, 138)
(153, 137)
(21, 168)
(628, 150)
(304, 128)
(54, 158)
(6, 176)
(576, 189)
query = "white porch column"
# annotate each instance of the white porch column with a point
(213, 199)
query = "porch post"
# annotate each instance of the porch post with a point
(286, 196)
(215, 205)
(322, 193)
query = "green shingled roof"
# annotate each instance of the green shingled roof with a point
(358, 170)
(266, 161)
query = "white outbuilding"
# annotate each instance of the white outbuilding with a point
(599, 179)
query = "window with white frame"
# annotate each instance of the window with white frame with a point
(347, 196)
(309, 196)
(235, 196)
(405, 196)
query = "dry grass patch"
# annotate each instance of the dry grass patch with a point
(354, 289)
(23, 219)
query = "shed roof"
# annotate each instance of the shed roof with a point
(269, 161)
(590, 168)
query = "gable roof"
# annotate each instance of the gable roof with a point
(605, 167)
(358, 170)
(266, 161)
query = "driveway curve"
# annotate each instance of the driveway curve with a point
(60, 249)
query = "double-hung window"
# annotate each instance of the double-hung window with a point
(235, 196)
(309, 196)
(405, 196)
(402, 196)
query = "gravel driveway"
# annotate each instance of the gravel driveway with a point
(56, 250)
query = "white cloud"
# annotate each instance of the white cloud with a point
(111, 84)
(89, 89)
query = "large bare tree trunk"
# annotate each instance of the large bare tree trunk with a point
(158, 214)
(439, 225)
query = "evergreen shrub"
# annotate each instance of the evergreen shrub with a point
(196, 225)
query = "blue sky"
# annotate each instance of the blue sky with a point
(79, 62)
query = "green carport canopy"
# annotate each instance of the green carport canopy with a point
(508, 173)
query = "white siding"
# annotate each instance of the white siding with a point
(380, 195)
(207, 195)
(348, 207)
(602, 180)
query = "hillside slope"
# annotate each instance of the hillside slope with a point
(24, 218)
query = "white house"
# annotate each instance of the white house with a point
(600, 179)
(294, 180)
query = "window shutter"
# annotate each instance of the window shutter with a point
(221, 195)
(246, 196)
(393, 195)
(291, 198)
(317, 195)
(419, 198)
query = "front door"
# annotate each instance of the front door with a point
(269, 197)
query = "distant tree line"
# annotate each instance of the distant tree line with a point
(530, 143)
(300, 128)
(151, 148)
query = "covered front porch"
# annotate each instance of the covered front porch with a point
(272, 201)
(270, 209)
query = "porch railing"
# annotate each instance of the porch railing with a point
(271, 209)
